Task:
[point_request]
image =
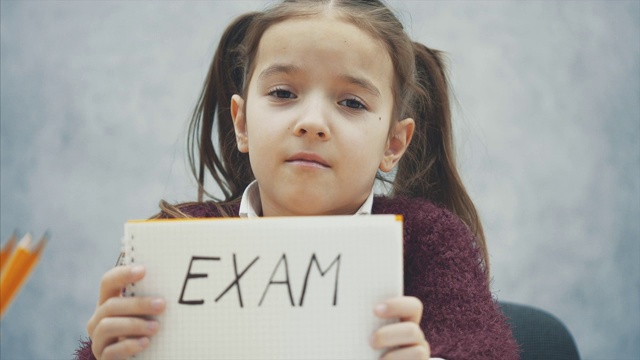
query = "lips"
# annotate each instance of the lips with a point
(308, 159)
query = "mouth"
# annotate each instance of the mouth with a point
(308, 159)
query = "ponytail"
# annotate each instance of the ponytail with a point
(428, 169)
(230, 168)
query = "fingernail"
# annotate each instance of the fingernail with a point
(143, 342)
(137, 269)
(381, 309)
(152, 325)
(372, 341)
(157, 304)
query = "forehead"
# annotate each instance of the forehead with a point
(327, 44)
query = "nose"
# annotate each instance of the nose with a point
(313, 123)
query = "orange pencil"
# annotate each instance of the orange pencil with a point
(6, 250)
(18, 269)
(35, 257)
(11, 275)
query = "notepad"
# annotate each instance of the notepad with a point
(267, 288)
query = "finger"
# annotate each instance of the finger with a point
(125, 306)
(406, 308)
(397, 335)
(114, 280)
(124, 349)
(417, 352)
(130, 306)
(109, 330)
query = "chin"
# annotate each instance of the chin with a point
(310, 208)
(311, 204)
(307, 208)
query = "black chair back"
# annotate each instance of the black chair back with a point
(539, 334)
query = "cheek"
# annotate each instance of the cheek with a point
(370, 147)
(259, 145)
(256, 126)
(378, 133)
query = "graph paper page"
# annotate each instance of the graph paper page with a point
(267, 288)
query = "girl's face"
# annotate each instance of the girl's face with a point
(317, 117)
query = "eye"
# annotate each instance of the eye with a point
(353, 103)
(282, 94)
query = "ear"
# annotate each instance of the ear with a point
(397, 144)
(239, 123)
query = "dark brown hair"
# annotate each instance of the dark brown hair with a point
(427, 170)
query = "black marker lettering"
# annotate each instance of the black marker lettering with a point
(286, 270)
(193, 276)
(236, 282)
(306, 278)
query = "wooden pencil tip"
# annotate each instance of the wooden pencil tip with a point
(43, 241)
(25, 241)
(9, 244)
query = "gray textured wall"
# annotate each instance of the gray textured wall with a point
(94, 102)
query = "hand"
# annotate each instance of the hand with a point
(117, 328)
(405, 339)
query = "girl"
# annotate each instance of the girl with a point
(308, 100)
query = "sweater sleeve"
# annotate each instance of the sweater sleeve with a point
(442, 268)
(84, 352)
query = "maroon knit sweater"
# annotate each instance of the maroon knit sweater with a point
(441, 268)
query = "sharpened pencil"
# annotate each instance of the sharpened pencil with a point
(18, 268)
(7, 250)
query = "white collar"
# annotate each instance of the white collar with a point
(251, 206)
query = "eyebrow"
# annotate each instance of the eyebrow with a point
(278, 69)
(288, 69)
(361, 82)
